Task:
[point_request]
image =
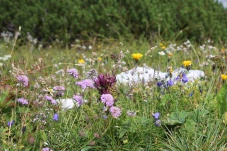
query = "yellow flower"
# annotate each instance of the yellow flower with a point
(170, 54)
(99, 58)
(187, 63)
(163, 47)
(224, 76)
(137, 56)
(81, 61)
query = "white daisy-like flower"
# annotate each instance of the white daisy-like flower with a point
(161, 53)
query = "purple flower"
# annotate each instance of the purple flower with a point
(107, 99)
(46, 149)
(78, 99)
(131, 113)
(86, 83)
(191, 94)
(158, 123)
(23, 79)
(115, 111)
(22, 101)
(73, 72)
(49, 98)
(156, 115)
(10, 123)
(104, 83)
(60, 90)
(184, 78)
(55, 118)
(170, 83)
(159, 84)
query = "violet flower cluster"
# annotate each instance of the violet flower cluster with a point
(73, 72)
(115, 111)
(50, 98)
(86, 83)
(59, 90)
(78, 99)
(23, 79)
(22, 101)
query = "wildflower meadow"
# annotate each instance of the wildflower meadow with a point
(54, 99)
(100, 84)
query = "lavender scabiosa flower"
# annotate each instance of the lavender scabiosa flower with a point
(86, 83)
(73, 72)
(115, 111)
(156, 115)
(107, 99)
(78, 99)
(10, 123)
(22, 101)
(59, 90)
(105, 83)
(49, 98)
(46, 149)
(55, 118)
(23, 79)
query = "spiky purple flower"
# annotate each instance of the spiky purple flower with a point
(73, 72)
(78, 99)
(115, 111)
(107, 99)
(22, 101)
(104, 83)
(86, 83)
(23, 79)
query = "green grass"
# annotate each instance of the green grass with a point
(188, 122)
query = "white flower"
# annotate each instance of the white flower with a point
(161, 53)
(1, 64)
(90, 47)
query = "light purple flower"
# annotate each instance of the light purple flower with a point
(107, 99)
(86, 83)
(59, 90)
(184, 78)
(49, 98)
(46, 149)
(115, 111)
(156, 115)
(131, 113)
(10, 123)
(55, 118)
(73, 72)
(23, 79)
(78, 99)
(22, 101)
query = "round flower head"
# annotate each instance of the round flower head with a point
(115, 111)
(86, 83)
(78, 99)
(137, 56)
(81, 61)
(22, 101)
(224, 76)
(170, 83)
(107, 99)
(187, 63)
(73, 72)
(23, 79)
(55, 118)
